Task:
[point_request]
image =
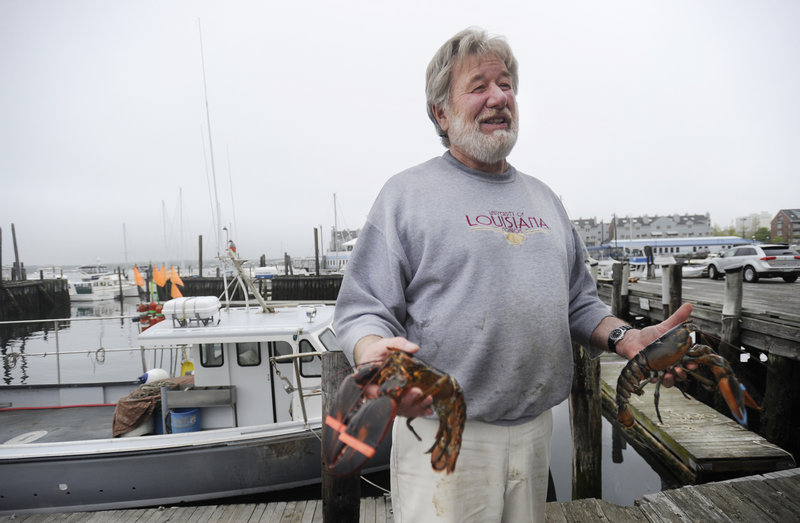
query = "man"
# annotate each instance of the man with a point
(475, 267)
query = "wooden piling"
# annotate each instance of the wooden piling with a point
(619, 295)
(666, 274)
(200, 255)
(585, 409)
(675, 287)
(16, 272)
(341, 496)
(732, 306)
(121, 292)
(779, 418)
(316, 251)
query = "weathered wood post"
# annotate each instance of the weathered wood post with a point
(675, 287)
(665, 290)
(732, 306)
(200, 256)
(587, 429)
(619, 289)
(121, 293)
(731, 317)
(341, 497)
(316, 251)
(779, 406)
(16, 272)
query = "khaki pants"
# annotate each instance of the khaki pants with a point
(501, 473)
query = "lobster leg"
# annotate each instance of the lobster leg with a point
(657, 396)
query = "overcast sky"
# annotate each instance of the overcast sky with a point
(628, 107)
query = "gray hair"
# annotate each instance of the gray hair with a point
(438, 78)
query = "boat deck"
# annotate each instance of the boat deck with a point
(56, 424)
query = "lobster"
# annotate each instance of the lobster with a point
(357, 424)
(675, 349)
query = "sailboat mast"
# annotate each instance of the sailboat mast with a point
(210, 143)
(335, 227)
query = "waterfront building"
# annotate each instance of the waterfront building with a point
(786, 224)
(639, 227)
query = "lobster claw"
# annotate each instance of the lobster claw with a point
(736, 396)
(350, 443)
(356, 426)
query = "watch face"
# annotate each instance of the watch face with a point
(616, 334)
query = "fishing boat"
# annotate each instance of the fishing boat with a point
(247, 420)
(96, 282)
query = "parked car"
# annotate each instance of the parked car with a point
(768, 260)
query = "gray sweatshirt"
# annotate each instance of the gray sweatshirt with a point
(485, 273)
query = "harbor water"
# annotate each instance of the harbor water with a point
(89, 351)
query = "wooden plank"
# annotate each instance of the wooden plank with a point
(766, 498)
(278, 511)
(734, 507)
(243, 513)
(309, 510)
(268, 514)
(554, 513)
(288, 512)
(788, 489)
(319, 514)
(696, 506)
(584, 510)
(388, 514)
(660, 507)
(202, 514)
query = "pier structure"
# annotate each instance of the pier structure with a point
(755, 326)
(764, 498)
(696, 442)
(30, 299)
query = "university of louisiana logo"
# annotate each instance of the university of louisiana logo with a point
(514, 225)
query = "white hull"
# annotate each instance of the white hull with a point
(263, 436)
(102, 474)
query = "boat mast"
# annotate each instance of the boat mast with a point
(210, 143)
(335, 233)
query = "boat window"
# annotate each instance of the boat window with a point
(310, 367)
(328, 338)
(248, 354)
(211, 355)
(283, 348)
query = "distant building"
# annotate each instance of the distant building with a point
(592, 233)
(787, 225)
(638, 227)
(747, 226)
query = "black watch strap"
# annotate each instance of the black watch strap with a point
(616, 335)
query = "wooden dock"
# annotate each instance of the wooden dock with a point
(770, 316)
(694, 440)
(764, 498)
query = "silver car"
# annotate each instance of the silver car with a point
(758, 261)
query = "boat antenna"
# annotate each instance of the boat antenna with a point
(210, 143)
(230, 180)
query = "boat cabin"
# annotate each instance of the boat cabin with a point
(248, 363)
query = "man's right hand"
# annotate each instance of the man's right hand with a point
(373, 349)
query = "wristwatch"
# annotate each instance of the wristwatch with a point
(616, 335)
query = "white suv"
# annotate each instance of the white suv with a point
(758, 261)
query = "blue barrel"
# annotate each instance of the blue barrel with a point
(185, 420)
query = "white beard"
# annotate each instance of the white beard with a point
(486, 148)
